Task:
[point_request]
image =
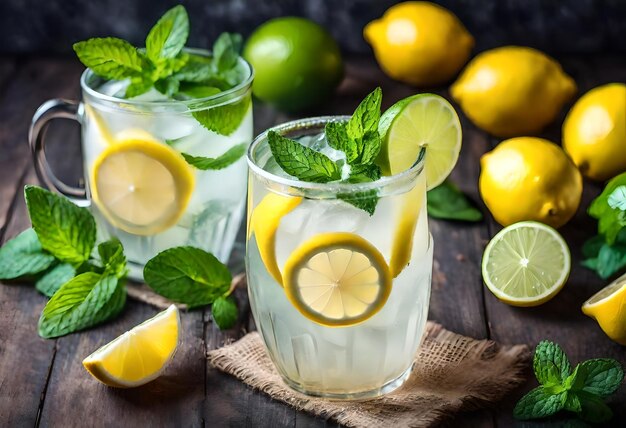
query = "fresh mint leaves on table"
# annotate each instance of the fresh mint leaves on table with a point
(166, 66)
(581, 391)
(605, 253)
(447, 202)
(358, 138)
(86, 283)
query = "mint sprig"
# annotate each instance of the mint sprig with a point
(164, 65)
(581, 391)
(447, 202)
(606, 252)
(358, 138)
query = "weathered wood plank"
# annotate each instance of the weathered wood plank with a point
(561, 319)
(23, 384)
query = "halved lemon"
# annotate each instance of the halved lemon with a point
(608, 308)
(138, 356)
(526, 264)
(141, 186)
(337, 279)
(264, 222)
(421, 121)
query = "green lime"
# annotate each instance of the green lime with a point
(297, 63)
(526, 264)
(423, 120)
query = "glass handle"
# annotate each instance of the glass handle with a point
(53, 109)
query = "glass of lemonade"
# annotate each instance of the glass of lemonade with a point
(140, 157)
(340, 296)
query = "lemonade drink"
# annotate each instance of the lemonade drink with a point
(361, 342)
(150, 197)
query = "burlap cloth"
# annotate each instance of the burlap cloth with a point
(452, 373)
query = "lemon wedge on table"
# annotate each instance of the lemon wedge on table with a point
(141, 186)
(264, 222)
(138, 356)
(337, 279)
(526, 264)
(421, 121)
(608, 308)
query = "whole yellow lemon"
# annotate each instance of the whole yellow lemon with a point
(419, 43)
(512, 90)
(594, 132)
(529, 178)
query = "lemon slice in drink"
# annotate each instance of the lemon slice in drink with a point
(264, 222)
(138, 356)
(141, 186)
(421, 121)
(337, 279)
(608, 308)
(526, 264)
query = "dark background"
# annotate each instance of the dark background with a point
(569, 26)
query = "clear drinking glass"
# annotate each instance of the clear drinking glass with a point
(213, 211)
(361, 360)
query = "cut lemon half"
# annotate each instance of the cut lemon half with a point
(608, 308)
(138, 356)
(264, 222)
(337, 279)
(141, 186)
(526, 264)
(421, 121)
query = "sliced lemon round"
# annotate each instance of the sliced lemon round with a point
(526, 264)
(138, 356)
(608, 308)
(421, 121)
(264, 222)
(337, 279)
(141, 185)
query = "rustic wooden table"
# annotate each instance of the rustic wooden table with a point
(42, 382)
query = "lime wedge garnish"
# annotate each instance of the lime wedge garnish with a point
(423, 120)
(526, 264)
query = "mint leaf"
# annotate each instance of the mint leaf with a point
(23, 255)
(617, 198)
(226, 51)
(187, 275)
(54, 278)
(539, 403)
(231, 156)
(365, 201)
(167, 86)
(224, 311)
(338, 139)
(138, 86)
(224, 119)
(603, 376)
(572, 403)
(302, 162)
(591, 247)
(593, 409)
(169, 35)
(576, 380)
(611, 259)
(550, 363)
(196, 91)
(112, 257)
(197, 70)
(611, 219)
(447, 202)
(362, 128)
(65, 230)
(364, 173)
(610, 225)
(78, 304)
(110, 58)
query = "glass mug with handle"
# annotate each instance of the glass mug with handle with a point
(159, 173)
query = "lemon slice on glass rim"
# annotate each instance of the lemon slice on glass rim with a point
(138, 356)
(141, 185)
(337, 279)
